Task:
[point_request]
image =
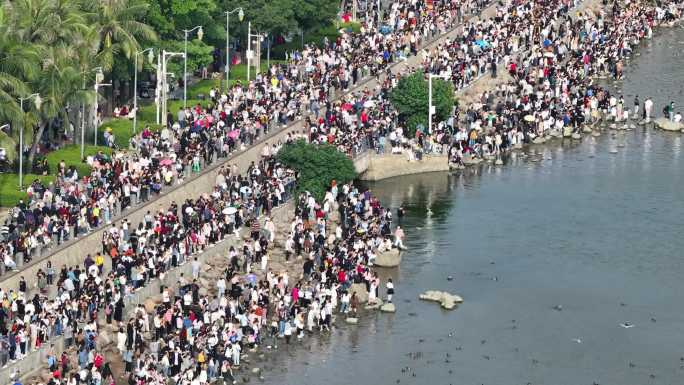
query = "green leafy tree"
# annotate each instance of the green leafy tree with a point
(266, 15)
(317, 165)
(48, 28)
(199, 55)
(18, 63)
(121, 28)
(410, 98)
(170, 17)
(312, 14)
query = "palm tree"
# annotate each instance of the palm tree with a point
(48, 46)
(41, 28)
(119, 25)
(18, 63)
(121, 31)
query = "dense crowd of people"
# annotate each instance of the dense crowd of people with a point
(138, 254)
(197, 335)
(552, 90)
(74, 204)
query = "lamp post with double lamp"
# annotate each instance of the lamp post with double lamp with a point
(98, 78)
(38, 101)
(241, 16)
(164, 87)
(150, 57)
(97, 70)
(431, 108)
(200, 33)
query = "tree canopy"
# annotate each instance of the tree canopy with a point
(410, 98)
(317, 166)
(51, 47)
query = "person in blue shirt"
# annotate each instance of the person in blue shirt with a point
(82, 358)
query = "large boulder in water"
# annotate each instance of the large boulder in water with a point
(667, 125)
(446, 300)
(470, 160)
(388, 308)
(390, 258)
(374, 306)
(360, 290)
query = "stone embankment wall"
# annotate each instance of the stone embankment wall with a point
(374, 167)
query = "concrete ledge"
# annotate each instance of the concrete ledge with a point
(390, 258)
(372, 167)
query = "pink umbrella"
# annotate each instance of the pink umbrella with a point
(166, 162)
(234, 134)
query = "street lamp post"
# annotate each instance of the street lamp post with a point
(158, 87)
(431, 108)
(241, 16)
(97, 86)
(38, 101)
(165, 58)
(250, 54)
(150, 57)
(249, 48)
(268, 52)
(200, 33)
(98, 70)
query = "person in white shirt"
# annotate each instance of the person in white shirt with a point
(648, 107)
(221, 286)
(196, 266)
(390, 290)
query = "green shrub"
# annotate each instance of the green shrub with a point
(317, 165)
(410, 98)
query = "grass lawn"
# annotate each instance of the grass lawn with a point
(9, 187)
(9, 183)
(72, 156)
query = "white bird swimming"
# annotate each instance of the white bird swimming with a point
(579, 341)
(627, 325)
